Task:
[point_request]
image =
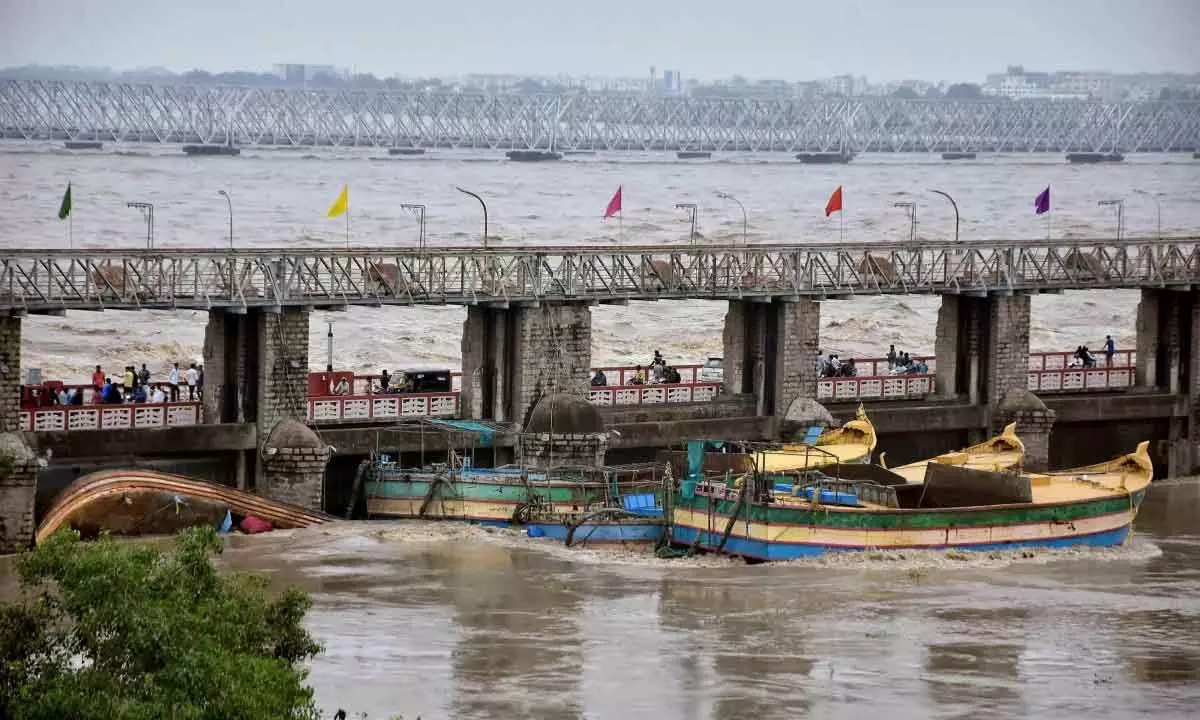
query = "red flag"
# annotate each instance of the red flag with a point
(835, 202)
(614, 205)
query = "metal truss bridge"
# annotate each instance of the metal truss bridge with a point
(117, 112)
(48, 281)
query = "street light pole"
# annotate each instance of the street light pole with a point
(745, 224)
(1120, 205)
(147, 210)
(954, 205)
(910, 207)
(1157, 210)
(692, 210)
(420, 211)
(484, 206)
(229, 203)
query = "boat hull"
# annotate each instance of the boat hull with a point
(769, 532)
(489, 502)
(628, 533)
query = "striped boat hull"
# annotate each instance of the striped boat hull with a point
(637, 533)
(495, 502)
(777, 533)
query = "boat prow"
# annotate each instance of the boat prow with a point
(851, 443)
(1005, 451)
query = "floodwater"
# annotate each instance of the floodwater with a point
(279, 198)
(451, 621)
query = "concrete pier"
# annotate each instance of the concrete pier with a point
(771, 351)
(514, 356)
(982, 347)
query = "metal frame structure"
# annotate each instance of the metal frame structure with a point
(125, 112)
(45, 280)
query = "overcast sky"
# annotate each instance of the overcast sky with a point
(787, 39)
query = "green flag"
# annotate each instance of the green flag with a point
(65, 209)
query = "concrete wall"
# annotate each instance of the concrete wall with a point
(1008, 353)
(230, 367)
(296, 475)
(282, 367)
(797, 327)
(552, 353)
(770, 351)
(10, 373)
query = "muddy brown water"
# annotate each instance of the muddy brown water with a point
(450, 621)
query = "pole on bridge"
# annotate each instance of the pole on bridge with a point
(229, 203)
(1120, 205)
(420, 212)
(910, 207)
(954, 205)
(1157, 210)
(147, 210)
(692, 210)
(484, 206)
(745, 224)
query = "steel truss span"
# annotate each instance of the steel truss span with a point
(40, 281)
(117, 112)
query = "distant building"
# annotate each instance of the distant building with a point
(299, 74)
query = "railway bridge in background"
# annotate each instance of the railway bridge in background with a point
(528, 335)
(184, 113)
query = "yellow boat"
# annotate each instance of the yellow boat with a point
(851, 443)
(1122, 476)
(1002, 452)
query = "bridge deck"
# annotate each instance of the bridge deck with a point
(44, 280)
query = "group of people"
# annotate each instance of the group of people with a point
(657, 373)
(1083, 357)
(900, 363)
(832, 366)
(135, 386)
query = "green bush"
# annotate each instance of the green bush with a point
(125, 631)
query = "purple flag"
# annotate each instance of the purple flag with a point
(1041, 204)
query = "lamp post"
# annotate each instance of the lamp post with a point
(910, 207)
(420, 212)
(229, 204)
(954, 205)
(1157, 209)
(692, 210)
(147, 210)
(727, 196)
(484, 206)
(1120, 205)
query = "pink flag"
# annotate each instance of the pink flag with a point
(614, 205)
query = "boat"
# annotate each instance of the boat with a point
(825, 158)
(532, 155)
(764, 516)
(84, 145)
(693, 155)
(629, 514)
(147, 502)
(853, 442)
(1002, 452)
(1091, 158)
(958, 156)
(406, 151)
(227, 150)
(456, 490)
(579, 152)
(1196, 155)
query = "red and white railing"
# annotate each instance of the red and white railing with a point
(111, 417)
(654, 394)
(367, 408)
(885, 387)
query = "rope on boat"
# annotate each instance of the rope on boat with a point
(438, 481)
(737, 510)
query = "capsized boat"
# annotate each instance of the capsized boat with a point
(148, 502)
(853, 442)
(783, 516)
(1002, 452)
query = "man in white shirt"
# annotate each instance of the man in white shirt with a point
(173, 382)
(159, 396)
(192, 377)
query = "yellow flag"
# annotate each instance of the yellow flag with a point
(342, 204)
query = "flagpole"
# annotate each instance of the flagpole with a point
(347, 226)
(841, 227)
(71, 230)
(1048, 214)
(621, 227)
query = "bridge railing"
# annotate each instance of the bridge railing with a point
(655, 394)
(367, 408)
(111, 417)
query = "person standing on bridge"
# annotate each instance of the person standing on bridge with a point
(193, 377)
(98, 384)
(1110, 349)
(173, 382)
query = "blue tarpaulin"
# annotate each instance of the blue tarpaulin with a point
(484, 431)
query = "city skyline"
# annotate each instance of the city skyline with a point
(876, 39)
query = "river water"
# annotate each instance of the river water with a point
(451, 621)
(280, 198)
